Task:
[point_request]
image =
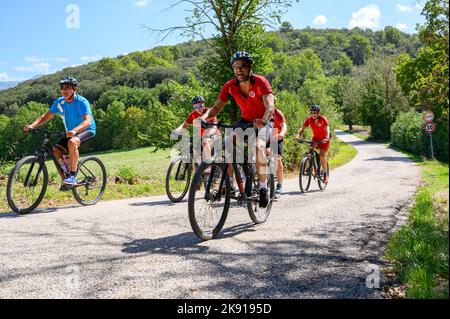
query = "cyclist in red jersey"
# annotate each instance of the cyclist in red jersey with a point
(321, 135)
(253, 94)
(279, 132)
(198, 103)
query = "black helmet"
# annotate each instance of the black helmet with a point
(198, 99)
(68, 80)
(314, 108)
(241, 55)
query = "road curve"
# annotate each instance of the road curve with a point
(323, 244)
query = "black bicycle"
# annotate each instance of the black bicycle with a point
(29, 178)
(310, 167)
(210, 192)
(178, 175)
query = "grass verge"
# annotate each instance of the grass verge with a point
(419, 250)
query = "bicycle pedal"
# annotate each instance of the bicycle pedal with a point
(65, 188)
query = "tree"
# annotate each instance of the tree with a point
(381, 96)
(358, 49)
(239, 25)
(286, 27)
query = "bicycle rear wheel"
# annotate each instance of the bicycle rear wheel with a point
(27, 185)
(258, 214)
(177, 180)
(323, 185)
(92, 181)
(304, 177)
(208, 206)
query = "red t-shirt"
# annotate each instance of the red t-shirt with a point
(252, 106)
(278, 119)
(195, 115)
(319, 129)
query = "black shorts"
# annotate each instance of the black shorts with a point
(83, 136)
(280, 147)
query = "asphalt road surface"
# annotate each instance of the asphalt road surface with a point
(323, 244)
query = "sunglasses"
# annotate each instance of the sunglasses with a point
(239, 66)
(198, 106)
(312, 113)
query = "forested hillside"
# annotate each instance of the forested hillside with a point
(138, 98)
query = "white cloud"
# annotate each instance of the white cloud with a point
(403, 8)
(320, 19)
(4, 77)
(62, 60)
(39, 67)
(24, 69)
(33, 58)
(141, 3)
(367, 17)
(90, 58)
(401, 26)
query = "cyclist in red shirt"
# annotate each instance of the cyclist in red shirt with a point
(198, 102)
(279, 132)
(321, 135)
(253, 94)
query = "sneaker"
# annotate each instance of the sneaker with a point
(325, 179)
(263, 197)
(71, 180)
(278, 191)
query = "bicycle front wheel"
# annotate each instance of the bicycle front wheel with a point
(258, 214)
(92, 181)
(323, 185)
(208, 204)
(305, 174)
(177, 180)
(27, 184)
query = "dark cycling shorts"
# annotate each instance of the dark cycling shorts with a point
(83, 136)
(280, 147)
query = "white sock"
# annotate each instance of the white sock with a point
(262, 184)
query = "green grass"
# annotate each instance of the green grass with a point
(419, 250)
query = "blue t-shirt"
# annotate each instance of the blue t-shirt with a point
(72, 113)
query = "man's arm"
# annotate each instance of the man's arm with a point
(82, 127)
(39, 121)
(269, 103)
(212, 112)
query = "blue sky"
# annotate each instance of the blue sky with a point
(42, 37)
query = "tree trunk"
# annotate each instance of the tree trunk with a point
(350, 127)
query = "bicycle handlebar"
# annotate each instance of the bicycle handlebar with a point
(36, 130)
(206, 125)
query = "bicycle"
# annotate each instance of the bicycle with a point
(182, 167)
(29, 178)
(310, 167)
(179, 174)
(205, 202)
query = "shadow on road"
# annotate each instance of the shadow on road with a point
(37, 211)
(157, 203)
(390, 159)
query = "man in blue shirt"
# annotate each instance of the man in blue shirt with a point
(76, 115)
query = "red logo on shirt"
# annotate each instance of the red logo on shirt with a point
(251, 94)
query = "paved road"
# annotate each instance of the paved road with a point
(318, 245)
